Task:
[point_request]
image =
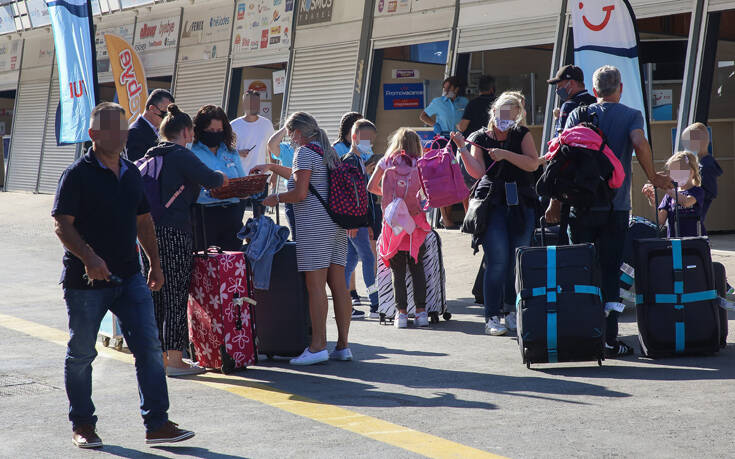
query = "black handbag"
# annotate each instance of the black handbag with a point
(475, 219)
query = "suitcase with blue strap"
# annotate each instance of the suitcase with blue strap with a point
(559, 307)
(677, 307)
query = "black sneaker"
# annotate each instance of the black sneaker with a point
(356, 301)
(619, 350)
(357, 314)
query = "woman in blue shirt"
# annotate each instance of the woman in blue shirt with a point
(214, 145)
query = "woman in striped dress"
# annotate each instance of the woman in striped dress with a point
(321, 245)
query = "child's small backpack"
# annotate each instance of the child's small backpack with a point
(347, 200)
(441, 177)
(150, 170)
(401, 189)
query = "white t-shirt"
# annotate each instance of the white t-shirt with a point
(254, 137)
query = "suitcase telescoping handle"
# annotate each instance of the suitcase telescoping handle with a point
(676, 212)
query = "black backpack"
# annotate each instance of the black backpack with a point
(578, 176)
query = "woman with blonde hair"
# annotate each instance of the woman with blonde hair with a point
(321, 245)
(503, 157)
(402, 247)
(683, 168)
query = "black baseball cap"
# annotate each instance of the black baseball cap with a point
(568, 72)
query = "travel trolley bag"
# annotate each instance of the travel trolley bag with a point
(111, 332)
(721, 288)
(560, 314)
(284, 325)
(436, 295)
(677, 310)
(221, 311)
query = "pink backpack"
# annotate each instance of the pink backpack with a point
(441, 177)
(401, 180)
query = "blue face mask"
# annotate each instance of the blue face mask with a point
(365, 149)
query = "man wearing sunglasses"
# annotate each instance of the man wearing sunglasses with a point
(143, 133)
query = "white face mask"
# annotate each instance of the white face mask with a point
(189, 145)
(504, 125)
(681, 177)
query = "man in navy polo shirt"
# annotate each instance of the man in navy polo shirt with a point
(100, 210)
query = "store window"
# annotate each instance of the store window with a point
(404, 81)
(523, 69)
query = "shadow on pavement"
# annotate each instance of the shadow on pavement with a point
(121, 451)
(194, 451)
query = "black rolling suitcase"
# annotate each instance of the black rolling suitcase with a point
(559, 306)
(677, 309)
(638, 228)
(283, 326)
(721, 288)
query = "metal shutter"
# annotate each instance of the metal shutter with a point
(322, 83)
(533, 31)
(653, 8)
(717, 5)
(200, 83)
(255, 59)
(414, 39)
(55, 159)
(27, 137)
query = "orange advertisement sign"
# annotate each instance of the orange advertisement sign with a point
(130, 82)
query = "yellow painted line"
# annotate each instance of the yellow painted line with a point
(367, 426)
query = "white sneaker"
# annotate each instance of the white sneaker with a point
(510, 321)
(422, 319)
(726, 305)
(494, 327)
(310, 358)
(343, 355)
(173, 372)
(401, 320)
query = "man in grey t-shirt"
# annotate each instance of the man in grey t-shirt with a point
(601, 225)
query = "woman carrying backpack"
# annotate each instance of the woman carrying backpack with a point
(321, 245)
(405, 228)
(181, 177)
(503, 157)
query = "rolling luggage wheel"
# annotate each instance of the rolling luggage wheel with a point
(106, 341)
(434, 317)
(228, 363)
(385, 320)
(447, 315)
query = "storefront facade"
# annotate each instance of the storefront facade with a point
(328, 57)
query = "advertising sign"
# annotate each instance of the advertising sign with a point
(386, 7)
(7, 23)
(314, 12)
(10, 55)
(156, 34)
(129, 75)
(279, 82)
(38, 12)
(125, 31)
(209, 27)
(403, 96)
(262, 24)
(74, 59)
(662, 109)
(132, 3)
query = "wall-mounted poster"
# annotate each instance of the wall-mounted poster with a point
(385, 7)
(262, 86)
(403, 96)
(262, 24)
(279, 82)
(209, 27)
(7, 22)
(38, 13)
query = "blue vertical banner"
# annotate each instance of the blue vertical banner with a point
(605, 33)
(70, 21)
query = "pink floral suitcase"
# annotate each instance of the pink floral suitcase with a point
(221, 311)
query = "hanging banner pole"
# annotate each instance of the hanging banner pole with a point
(606, 33)
(95, 77)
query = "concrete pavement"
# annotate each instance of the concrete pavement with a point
(447, 390)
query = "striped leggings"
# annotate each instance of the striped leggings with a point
(176, 251)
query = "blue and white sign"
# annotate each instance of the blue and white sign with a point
(403, 96)
(605, 33)
(73, 40)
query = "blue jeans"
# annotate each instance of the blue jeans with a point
(607, 231)
(360, 248)
(133, 305)
(505, 233)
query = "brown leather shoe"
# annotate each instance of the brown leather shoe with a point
(86, 437)
(169, 433)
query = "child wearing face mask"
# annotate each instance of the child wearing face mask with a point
(683, 169)
(359, 246)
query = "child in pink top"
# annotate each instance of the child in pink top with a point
(401, 243)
